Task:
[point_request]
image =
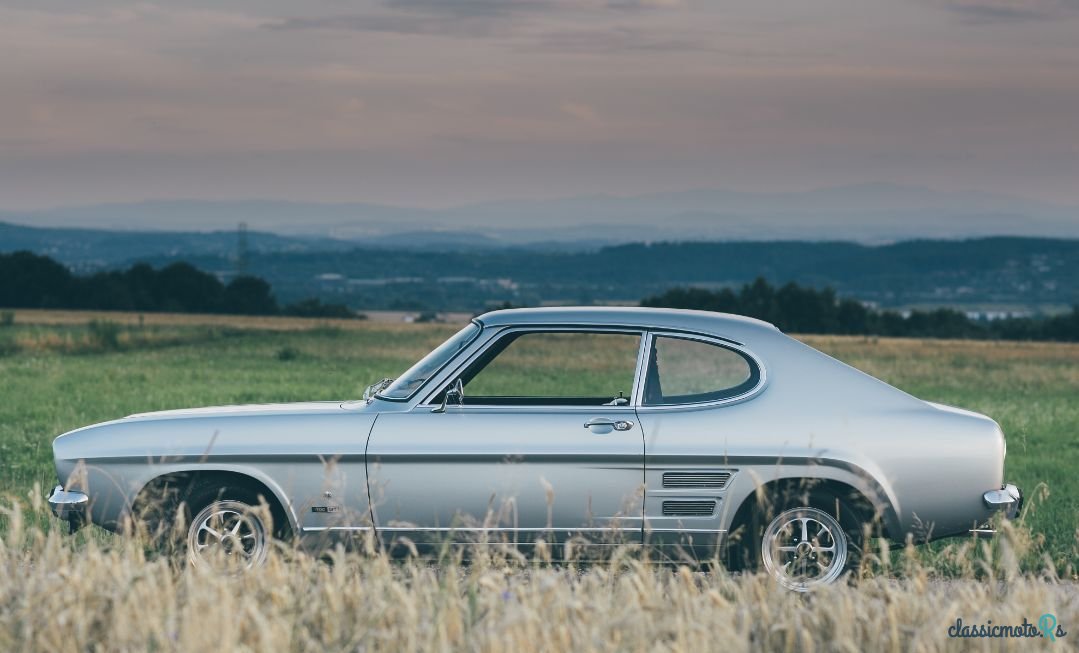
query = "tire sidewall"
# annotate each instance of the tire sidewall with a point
(746, 554)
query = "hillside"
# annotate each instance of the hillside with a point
(1013, 273)
(451, 270)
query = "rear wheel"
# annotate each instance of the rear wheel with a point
(803, 541)
(804, 548)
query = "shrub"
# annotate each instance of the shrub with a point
(104, 334)
(287, 354)
(315, 308)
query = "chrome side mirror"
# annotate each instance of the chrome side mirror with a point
(454, 394)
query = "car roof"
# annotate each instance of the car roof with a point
(657, 318)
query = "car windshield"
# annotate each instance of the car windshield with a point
(407, 383)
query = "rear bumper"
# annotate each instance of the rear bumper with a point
(1008, 499)
(69, 506)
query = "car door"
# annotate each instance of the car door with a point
(545, 443)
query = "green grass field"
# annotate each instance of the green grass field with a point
(56, 377)
(94, 591)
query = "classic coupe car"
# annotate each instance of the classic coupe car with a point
(692, 432)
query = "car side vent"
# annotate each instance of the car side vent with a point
(689, 508)
(696, 479)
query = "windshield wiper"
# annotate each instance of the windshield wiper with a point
(375, 388)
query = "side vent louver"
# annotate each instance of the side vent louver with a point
(689, 508)
(696, 479)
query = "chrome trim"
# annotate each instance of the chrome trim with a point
(69, 506)
(617, 425)
(637, 394)
(1008, 498)
(691, 479)
(318, 529)
(716, 531)
(472, 529)
(502, 529)
(982, 532)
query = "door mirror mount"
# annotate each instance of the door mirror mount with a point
(454, 394)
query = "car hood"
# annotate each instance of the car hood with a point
(299, 408)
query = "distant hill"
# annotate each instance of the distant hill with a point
(94, 248)
(1013, 273)
(102, 248)
(870, 213)
(443, 269)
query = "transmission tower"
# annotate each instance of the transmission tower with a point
(241, 249)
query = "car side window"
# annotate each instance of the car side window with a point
(555, 368)
(687, 371)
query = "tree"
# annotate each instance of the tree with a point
(249, 296)
(182, 287)
(31, 281)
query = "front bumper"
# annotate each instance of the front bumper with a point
(69, 506)
(1008, 500)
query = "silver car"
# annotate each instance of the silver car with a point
(694, 433)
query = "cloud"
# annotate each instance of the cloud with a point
(465, 18)
(645, 5)
(1004, 11)
(409, 24)
(481, 8)
(620, 39)
(579, 111)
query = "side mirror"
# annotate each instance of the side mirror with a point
(454, 394)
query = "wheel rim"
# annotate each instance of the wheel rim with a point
(227, 533)
(804, 548)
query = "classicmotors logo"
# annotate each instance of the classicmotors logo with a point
(1047, 627)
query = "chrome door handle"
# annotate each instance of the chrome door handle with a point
(618, 425)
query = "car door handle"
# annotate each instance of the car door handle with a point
(601, 422)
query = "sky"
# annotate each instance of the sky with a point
(433, 103)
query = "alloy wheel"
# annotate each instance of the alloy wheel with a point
(804, 548)
(229, 533)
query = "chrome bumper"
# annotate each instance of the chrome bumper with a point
(1008, 500)
(69, 506)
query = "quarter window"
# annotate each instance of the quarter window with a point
(686, 371)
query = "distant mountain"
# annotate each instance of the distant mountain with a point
(90, 248)
(864, 213)
(97, 248)
(1000, 274)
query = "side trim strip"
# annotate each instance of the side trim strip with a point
(187, 459)
(478, 529)
(697, 460)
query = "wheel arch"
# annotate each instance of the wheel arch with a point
(228, 477)
(869, 502)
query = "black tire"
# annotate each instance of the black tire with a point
(166, 512)
(743, 552)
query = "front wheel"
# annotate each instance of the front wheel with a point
(804, 548)
(229, 533)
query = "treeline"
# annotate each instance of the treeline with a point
(28, 280)
(799, 309)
